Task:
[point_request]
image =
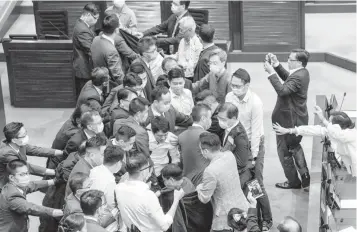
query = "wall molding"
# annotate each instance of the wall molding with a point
(318, 8)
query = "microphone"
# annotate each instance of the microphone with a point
(344, 95)
(59, 30)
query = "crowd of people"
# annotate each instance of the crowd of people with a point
(163, 136)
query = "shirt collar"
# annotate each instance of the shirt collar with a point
(100, 92)
(154, 112)
(197, 125)
(85, 23)
(108, 38)
(246, 97)
(208, 45)
(180, 17)
(91, 218)
(294, 70)
(88, 136)
(234, 125)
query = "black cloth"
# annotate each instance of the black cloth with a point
(202, 67)
(131, 41)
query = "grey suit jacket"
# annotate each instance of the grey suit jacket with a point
(89, 93)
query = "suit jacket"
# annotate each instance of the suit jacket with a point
(82, 39)
(118, 113)
(150, 85)
(239, 147)
(7, 154)
(290, 109)
(93, 226)
(104, 54)
(141, 138)
(191, 158)
(89, 93)
(81, 166)
(174, 117)
(167, 27)
(74, 142)
(202, 67)
(14, 208)
(111, 101)
(215, 128)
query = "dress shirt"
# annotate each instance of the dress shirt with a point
(197, 125)
(344, 141)
(178, 18)
(127, 17)
(108, 38)
(104, 180)
(183, 103)
(188, 54)
(159, 152)
(155, 66)
(251, 116)
(156, 113)
(139, 206)
(226, 132)
(100, 92)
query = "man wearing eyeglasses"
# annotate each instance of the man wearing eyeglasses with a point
(290, 111)
(138, 205)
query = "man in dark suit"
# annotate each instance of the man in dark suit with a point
(140, 67)
(162, 107)
(290, 111)
(206, 34)
(235, 139)
(104, 53)
(96, 90)
(82, 38)
(171, 27)
(91, 201)
(14, 208)
(15, 146)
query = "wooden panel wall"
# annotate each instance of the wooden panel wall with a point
(277, 25)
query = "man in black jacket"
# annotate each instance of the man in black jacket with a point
(290, 111)
(83, 36)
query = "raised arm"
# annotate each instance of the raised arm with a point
(290, 86)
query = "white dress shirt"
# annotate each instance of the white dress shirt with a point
(104, 180)
(343, 141)
(139, 206)
(155, 66)
(226, 132)
(188, 54)
(159, 152)
(183, 103)
(251, 116)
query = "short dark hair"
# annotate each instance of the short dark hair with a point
(160, 123)
(220, 53)
(162, 81)
(198, 110)
(13, 165)
(124, 93)
(302, 56)
(201, 96)
(135, 162)
(158, 92)
(91, 201)
(243, 75)
(73, 222)
(11, 130)
(342, 119)
(137, 67)
(186, 3)
(87, 117)
(132, 79)
(77, 180)
(138, 105)
(167, 60)
(98, 140)
(175, 73)
(145, 43)
(230, 109)
(172, 170)
(206, 33)
(284, 227)
(79, 110)
(110, 23)
(113, 154)
(210, 141)
(90, 8)
(99, 75)
(125, 132)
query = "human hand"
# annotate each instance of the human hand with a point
(279, 130)
(178, 194)
(173, 139)
(268, 67)
(58, 152)
(273, 59)
(50, 172)
(158, 193)
(138, 34)
(57, 213)
(252, 201)
(318, 112)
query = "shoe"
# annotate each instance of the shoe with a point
(286, 185)
(266, 225)
(305, 180)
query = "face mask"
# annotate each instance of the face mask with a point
(214, 68)
(238, 92)
(22, 141)
(177, 89)
(151, 56)
(22, 182)
(98, 129)
(223, 125)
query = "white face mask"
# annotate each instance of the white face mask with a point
(223, 125)
(22, 141)
(98, 129)
(22, 182)
(215, 68)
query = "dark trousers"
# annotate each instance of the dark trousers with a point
(263, 204)
(244, 177)
(79, 82)
(292, 160)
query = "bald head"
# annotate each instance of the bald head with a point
(289, 224)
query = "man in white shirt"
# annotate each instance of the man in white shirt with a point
(189, 48)
(181, 98)
(102, 176)
(162, 151)
(251, 116)
(138, 205)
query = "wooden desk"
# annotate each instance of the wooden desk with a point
(40, 73)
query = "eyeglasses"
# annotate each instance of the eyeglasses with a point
(289, 59)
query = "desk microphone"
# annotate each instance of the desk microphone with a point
(344, 95)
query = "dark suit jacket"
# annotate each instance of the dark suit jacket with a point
(82, 39)
(89, 93)
(93, 226)
(215, 128)
(104, 54)
(7, 154)
(118, 113)
(81, 166)
(240, 146)
(174, 117)
(150, 85)
(167, 27)
(192, 160)
(14, 208)
(202, 67)
(74, 142)
(290, 109)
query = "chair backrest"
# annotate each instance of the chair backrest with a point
(199, 15)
